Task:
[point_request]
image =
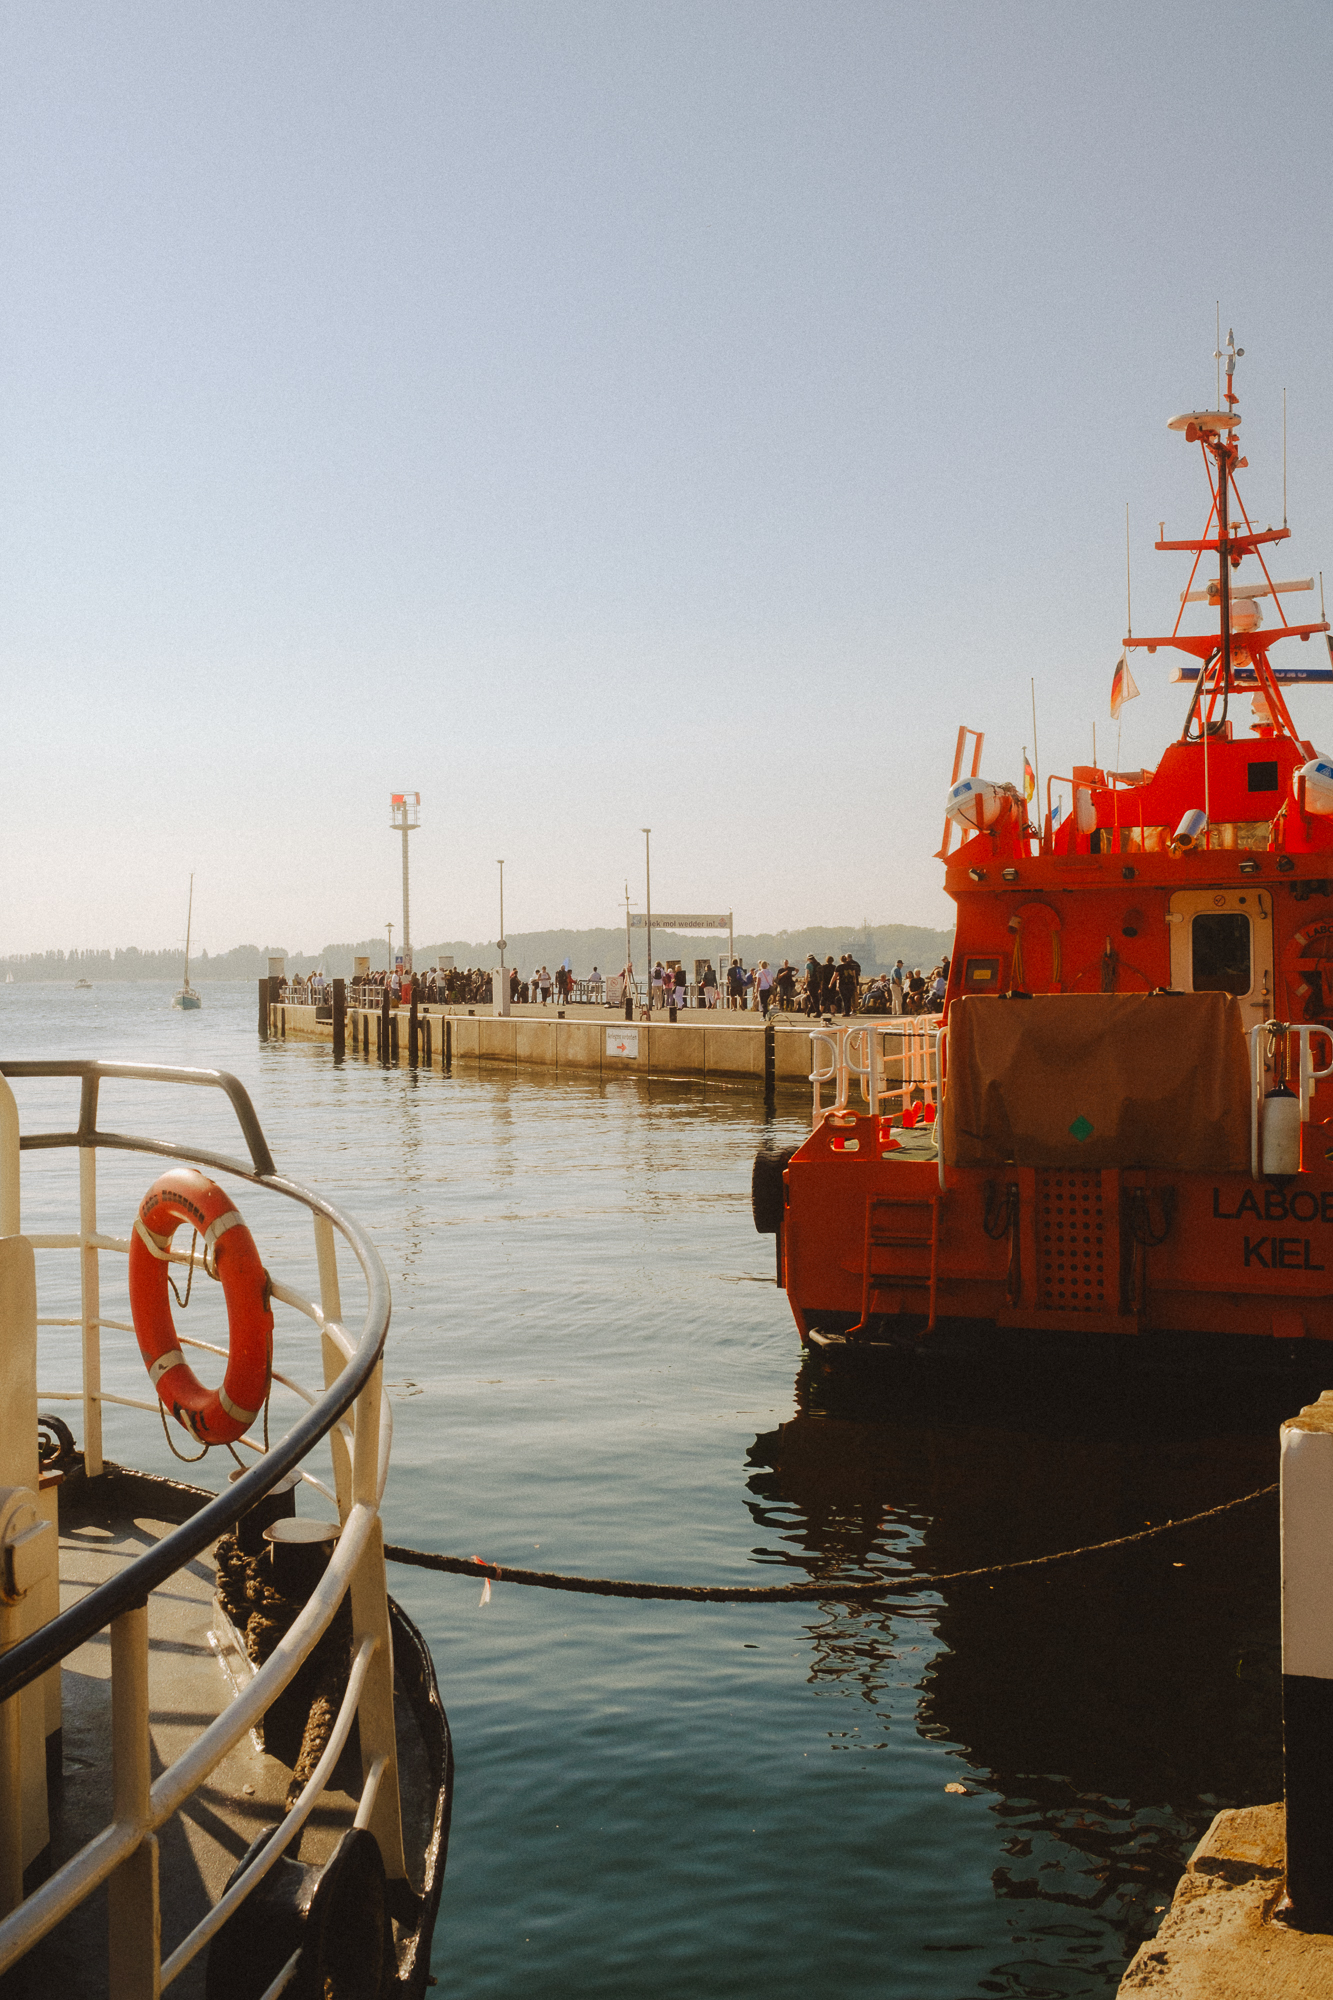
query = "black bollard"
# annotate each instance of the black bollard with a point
(339, 1017)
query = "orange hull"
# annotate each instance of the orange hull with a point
(1237, 1256)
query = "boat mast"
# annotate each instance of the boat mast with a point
(189, 914)
(1223, 451)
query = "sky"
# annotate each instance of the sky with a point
(599, 416)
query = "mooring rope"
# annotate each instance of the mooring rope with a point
(784, 1593)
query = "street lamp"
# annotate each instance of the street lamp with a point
(502, 939)
(389, 930)
(648, 881)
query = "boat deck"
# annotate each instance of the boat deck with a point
(195, 1667)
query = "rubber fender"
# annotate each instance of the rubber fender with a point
(766, 1196)
(335, 1915)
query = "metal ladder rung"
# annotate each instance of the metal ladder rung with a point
(899, 1280)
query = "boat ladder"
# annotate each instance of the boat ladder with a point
(908, 1227)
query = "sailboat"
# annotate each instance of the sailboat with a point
(187, 997)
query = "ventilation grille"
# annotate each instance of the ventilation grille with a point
(1071, 1260)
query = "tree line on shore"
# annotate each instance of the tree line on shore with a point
(874, 946)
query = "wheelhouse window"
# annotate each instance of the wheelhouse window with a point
(1220, 947)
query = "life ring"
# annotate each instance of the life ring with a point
(213, 1416)
(1307, 966)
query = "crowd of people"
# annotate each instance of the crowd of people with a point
(819, 987)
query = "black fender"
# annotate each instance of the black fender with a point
(766, 1193)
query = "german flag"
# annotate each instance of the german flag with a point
(1122, 686)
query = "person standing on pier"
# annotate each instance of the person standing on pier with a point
(896, 987)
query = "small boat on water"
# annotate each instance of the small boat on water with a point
(187, 998)
(224, 1765)
(1123, 1121)
(83, 986)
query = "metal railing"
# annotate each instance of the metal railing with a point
(122, 1854)
(888, 1063)
(1308, 1074)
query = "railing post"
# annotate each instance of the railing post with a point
(1307, 1663)
(134, 1913)
(330, 1299)
(9, 1161)
(90, 1309)
(339, 1017)
(370, 1618)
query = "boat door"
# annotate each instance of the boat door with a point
(1222, 942)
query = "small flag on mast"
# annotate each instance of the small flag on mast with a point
(1029, 777)
(1057, 812)
(1122, 686)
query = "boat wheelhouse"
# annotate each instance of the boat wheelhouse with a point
(1123, 1120)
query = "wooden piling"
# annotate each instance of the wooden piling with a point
(413, 1042)
(339, 1017)
(263, 1010)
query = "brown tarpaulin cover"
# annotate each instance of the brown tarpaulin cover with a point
(1098, 1080)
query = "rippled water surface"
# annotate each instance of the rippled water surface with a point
(593, 1371)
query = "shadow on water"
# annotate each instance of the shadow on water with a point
(1109, 1704)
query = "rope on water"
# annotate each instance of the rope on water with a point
(784, 1593)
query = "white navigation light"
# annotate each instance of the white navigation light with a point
(974, 803)
(1318, 776)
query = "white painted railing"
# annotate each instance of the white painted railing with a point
(889, 1064)
(352, 1412)
(1308, 1073)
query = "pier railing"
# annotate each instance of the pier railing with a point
(350, 1410)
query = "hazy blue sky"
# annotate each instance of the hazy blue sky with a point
(598, 415)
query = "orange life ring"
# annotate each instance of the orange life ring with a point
(213, 1416)
(1307, 969)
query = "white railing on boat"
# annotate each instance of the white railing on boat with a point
(890, 1064)
(352, 1412)
(1308, 1072)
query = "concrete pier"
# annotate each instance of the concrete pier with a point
(700, 1044)
(1218, 1940)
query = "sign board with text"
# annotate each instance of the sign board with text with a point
(639, 922)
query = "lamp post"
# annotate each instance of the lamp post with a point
(405, 817)
(500, 981)
(389, 931)
(648, 888)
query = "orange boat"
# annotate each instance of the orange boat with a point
(1122, 1122)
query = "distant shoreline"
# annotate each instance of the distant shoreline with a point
(874, 946)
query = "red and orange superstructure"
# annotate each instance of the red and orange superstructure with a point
(1118, 1124)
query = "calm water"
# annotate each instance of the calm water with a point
(593, 1371)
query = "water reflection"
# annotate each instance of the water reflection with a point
(1110, 1704)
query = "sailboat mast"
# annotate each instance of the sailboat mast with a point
(189, 916)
